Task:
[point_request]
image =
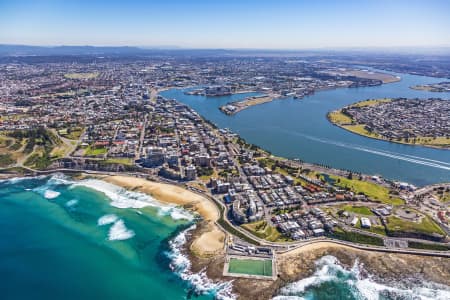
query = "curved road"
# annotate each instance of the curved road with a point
(280, 247)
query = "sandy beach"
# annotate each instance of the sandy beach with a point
(211, 241)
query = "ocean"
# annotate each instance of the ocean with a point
(65, 239)
(88, 239)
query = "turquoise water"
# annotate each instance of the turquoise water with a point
(299, 129)
(61, 239)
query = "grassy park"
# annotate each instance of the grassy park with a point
(263, 230)
(356, 237)
(374, 191)
(361, 210)
(338, 117)
(426, 225)
(95, 151)
(370, 102)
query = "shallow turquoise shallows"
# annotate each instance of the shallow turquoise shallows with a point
(63, 240)
(299, 129)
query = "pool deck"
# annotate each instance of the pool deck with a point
(226, 267)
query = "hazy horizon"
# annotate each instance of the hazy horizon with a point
(290, 25)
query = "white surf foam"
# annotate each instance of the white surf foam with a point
(72, 203)
(59, 178)
(50, 194)
(201, 284)
(47, 189)
(120, 197)
(328, 268)
(119, 231)
(14, 180)
(322, 274)
(107, 219)
(176, 213)
(371, 290)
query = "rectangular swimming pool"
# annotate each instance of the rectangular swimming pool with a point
(261, 267)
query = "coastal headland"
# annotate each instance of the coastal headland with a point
(205, 248)
(300, 263)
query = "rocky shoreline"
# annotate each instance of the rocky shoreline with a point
(385, 268)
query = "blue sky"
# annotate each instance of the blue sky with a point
(277, 24)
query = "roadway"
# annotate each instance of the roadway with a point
(279, 247)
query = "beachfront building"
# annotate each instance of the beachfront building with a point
(155, 157)
(190, 172)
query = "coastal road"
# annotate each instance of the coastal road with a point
(141, 139)
(279, 247)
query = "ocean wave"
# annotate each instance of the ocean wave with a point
(59, 179)
(15, 180)
(107, 219)
(119, 232)
(329, 271)
(181, 266)
(50, 194)
(122, 198)
(176, 213)
(427, 291)
(47, 189)
(72, 203)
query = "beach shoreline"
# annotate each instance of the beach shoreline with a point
(211, 241)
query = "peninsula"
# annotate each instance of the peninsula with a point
(407, 121)
(433, 87)
(235, 107)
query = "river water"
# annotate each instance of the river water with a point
(299, 129)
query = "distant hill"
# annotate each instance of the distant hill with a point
(24, 50)
(8, 51)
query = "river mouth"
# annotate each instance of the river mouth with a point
(299, 129)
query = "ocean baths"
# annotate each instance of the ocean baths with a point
(250, 267)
